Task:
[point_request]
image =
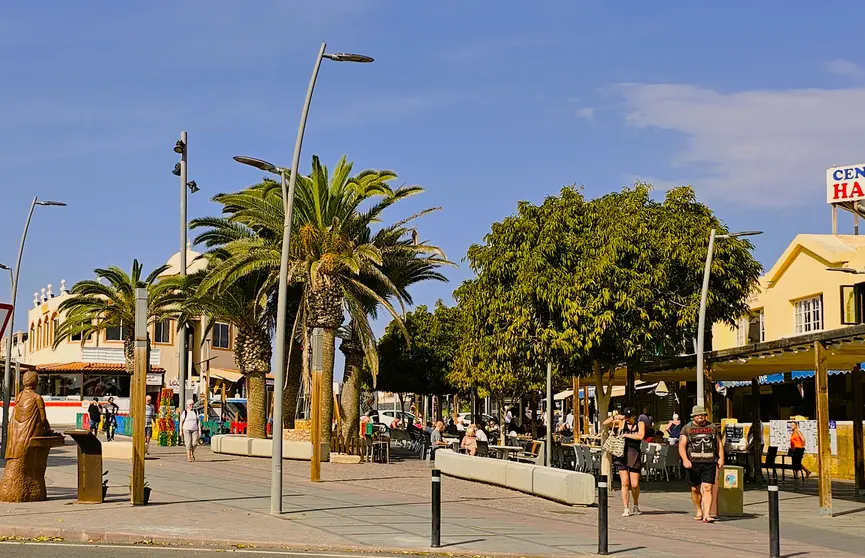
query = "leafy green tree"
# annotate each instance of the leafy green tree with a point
(93, 307)
(595, 284)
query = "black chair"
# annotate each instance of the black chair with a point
(483, 449)
(770, 462)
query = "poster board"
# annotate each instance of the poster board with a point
(780, 430)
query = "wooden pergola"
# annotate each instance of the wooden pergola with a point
(838, 349)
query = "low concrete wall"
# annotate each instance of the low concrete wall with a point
(238, 444)
(117, 450)
(568, 487)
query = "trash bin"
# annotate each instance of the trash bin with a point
(731, 491)
(89, 466)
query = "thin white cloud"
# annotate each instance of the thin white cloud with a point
(844, 68)
(760, 147)
(587, 113)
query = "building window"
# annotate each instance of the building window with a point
(741, 329)
(115, 333)
(39, 336)
(76, 336)
(756, 327)
(162, 332)
(220, 336)
(106, 386)
(60, 386)
(809, 314)
(32, 337)
(55, 323)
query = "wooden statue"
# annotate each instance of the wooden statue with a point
(29, 440)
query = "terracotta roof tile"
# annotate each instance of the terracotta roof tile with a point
(89, 367)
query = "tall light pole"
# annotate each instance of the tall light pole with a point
(180, 170)
(288, 199)
(701, 328)
(7, 380)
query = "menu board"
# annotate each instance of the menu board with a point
(780, 430)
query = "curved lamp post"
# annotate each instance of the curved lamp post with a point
(288, 201)
(7, 380)
(701, 329)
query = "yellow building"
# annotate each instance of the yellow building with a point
(799, 295)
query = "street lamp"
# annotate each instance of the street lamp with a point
(180, 147)
(839, 269)
(701, 328)
(7, 380)
(279, 361)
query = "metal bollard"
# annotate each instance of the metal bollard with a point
(436, 509)
(603, 512)
(774, 520)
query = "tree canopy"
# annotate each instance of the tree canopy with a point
(421, 365)
(593, 284)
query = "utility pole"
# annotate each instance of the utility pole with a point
(181, 368)
(139, 388)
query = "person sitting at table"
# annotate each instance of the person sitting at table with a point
(470, 441)
(435, 437)
(674, 427)
(492, 429)
(565, 430)
(480, 434)
(451, 428)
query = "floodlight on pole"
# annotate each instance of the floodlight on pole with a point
(701, 326)
(257, 163)
(845, 270)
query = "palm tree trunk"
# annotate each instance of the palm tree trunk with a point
(293, 373)
(328, 350)
(257, 405)
(350, 403)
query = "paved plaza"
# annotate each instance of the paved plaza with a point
(223, 500)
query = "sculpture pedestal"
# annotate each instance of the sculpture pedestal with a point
(24, 478)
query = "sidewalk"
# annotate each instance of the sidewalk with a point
(224, 500)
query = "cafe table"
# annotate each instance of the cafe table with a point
(505, 451)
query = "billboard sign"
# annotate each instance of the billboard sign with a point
(845, 183)
(5, 314)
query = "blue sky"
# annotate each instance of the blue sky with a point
(483, 103)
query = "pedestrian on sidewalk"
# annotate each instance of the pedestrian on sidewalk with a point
(111, 410)
(702, 455)
(797, 452)
(149, 413)
(630, 463)
(190, 429)
(95, 413)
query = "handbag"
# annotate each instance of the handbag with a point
(615, 444)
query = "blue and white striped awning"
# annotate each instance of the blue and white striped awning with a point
(779, 378)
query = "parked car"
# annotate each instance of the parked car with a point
(386, 417)
(235, 409)
(466, 418)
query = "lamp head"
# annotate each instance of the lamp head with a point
(6, 267)
(349, 57)
(193, 187)
(849, 270)
(179, 147)
(51, 203)
(257, 163)
(176, 171)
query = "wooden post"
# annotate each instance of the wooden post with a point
(824, 455)
(729, 398)
(709, 394)
(757, 429)
(630, 388)
(858, 451)
(138, 389)
(456, 407)
(586, 417)
(315, 462)
(577, 414)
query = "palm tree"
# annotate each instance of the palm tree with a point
(333, 255)
(243, 305)
(94, 307)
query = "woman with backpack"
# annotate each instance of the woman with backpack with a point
(190, 429)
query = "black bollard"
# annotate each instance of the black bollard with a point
(436, 541)
(603, 511)
(774, 520)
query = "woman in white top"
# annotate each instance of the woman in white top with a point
(190, 429)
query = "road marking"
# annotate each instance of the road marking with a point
(189, 548)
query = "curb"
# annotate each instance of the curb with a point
(120, 537)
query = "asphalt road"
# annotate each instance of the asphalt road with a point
(72, 550)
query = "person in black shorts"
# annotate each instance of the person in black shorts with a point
(630, 463)
(702, 453)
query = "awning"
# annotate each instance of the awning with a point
(232, 376)
(810, 373)
(563, 395)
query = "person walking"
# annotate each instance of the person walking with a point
(190, 429)
(630, 463)
(95, 413)
(111, 410)
(702, 454)
(149, 413)
(797, 452)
